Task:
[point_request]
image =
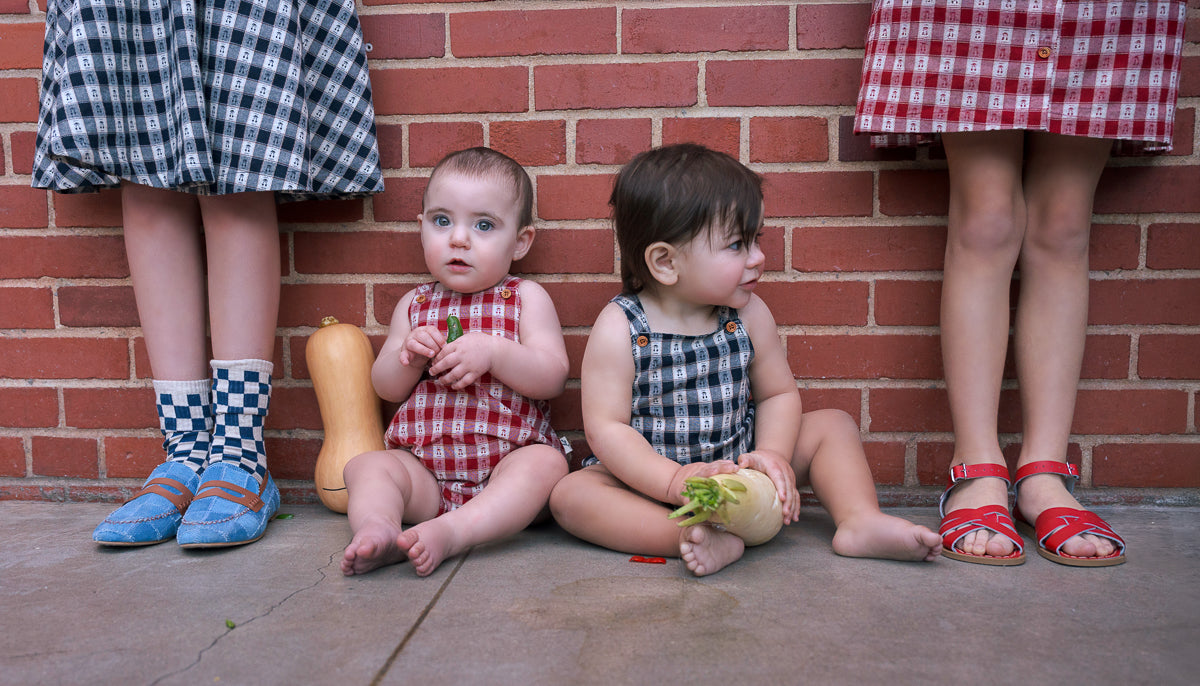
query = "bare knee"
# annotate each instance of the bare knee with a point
(829, 423)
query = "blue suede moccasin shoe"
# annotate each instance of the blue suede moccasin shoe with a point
(230, 508)
(153, 513)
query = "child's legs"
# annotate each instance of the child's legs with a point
(1052, 314)
(986, 225)
(242, 238)
(829, 456)
(594, 505)
(389, 486)
(166, 262)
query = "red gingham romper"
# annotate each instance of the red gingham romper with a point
(1096, 68)
(461, 435)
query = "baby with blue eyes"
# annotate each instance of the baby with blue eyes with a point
(470, 455)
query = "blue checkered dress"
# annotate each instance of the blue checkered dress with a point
(691, 394)
(207, 96)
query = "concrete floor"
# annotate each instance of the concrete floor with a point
(543, 608)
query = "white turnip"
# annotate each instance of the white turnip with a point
(744, 503)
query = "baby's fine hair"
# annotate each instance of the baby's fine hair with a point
(672, 194)
(481, 162)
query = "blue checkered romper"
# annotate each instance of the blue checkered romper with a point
(691, 394)
(207, 96)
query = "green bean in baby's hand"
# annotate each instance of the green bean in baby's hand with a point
(453, 329)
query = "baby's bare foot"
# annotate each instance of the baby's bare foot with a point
(878, 535)
(373, 546)
(427, 544)
(706, 551)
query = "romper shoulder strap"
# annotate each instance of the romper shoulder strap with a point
(634, 312)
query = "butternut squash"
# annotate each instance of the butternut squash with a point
(339, 361)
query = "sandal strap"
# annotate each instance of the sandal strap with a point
(245, 498)
(994, 518)
(181, 497)
(963, 472)
(1065, 469)
(1057, 525)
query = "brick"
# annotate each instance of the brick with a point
(574, 197)
(1173, 246)
(1130, 411)
(404, 36)
(307, 304)
(69, 257)
(20, 101)
(1149, 301)
(292, 458)
(1189, 76)
(12, 457)
(64, 358)
(1105, 357)
(22, 207)
(531, 143)
(1114, 246)
(358, 252)
(723, 134)
(94, 306)
(908, 303)
(865, 357)
(429, 142)
(704, 29)
(817, 194)
(1146, 465)
(590, 31)
(26, 308)
(22, 144)
(1168, 356)
(401, 200)
(814, 303)
(293, 408)
(460, 90)
(570, 251)
(29, 407)
(17, 6)
(133, 457)
(331, 211)
(904, 192)
(886, 460)
(576, 343)
(110, 408)
(610, 141)
(848, 400)
(771, 241)
(566, 411)
(765, 83)
(832, 26)
(614, 86)
(21, 45)
(789, 139)
(55, 456)
(579, 303)
(391, 145)
(868, 248)
(386, 297)
(855, 147)
(1148, 189)
(102, 209)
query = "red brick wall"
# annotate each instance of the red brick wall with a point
(854, 237)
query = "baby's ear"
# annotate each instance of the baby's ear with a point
(660, 259)
(524, 241)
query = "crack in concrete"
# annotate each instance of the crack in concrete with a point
(200, 655)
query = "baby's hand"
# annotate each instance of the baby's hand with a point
(463, 362)
(421, 345)
(697, 469)
(779, 470)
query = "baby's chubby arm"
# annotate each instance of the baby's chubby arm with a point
(535, 367)
(777, 407)
(402, 360)
(607, 379)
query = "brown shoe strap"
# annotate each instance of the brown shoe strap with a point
(212, 489)
(180, 500)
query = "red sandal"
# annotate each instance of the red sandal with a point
(994, 518)
(1056, 525)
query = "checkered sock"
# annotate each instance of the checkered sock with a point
(241, 394)
(185, 418)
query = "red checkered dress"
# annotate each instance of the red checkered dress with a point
(461, 435)
(1102, 69)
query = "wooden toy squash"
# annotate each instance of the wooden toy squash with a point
(339, 361)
